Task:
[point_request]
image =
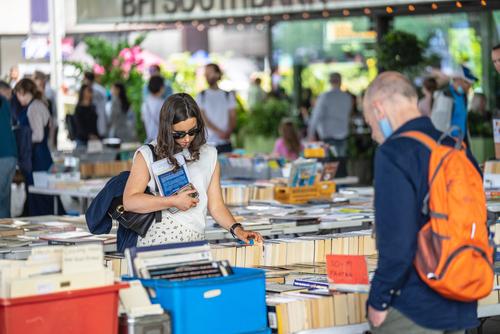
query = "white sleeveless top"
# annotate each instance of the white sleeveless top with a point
(200, 172)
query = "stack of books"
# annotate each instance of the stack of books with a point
(292, 312)
(235, 194)
(54, 269)
(176, 262)
(308, 249)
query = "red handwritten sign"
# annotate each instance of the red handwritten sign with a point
(347, 269)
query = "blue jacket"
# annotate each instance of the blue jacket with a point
(98, 220)
(401, 183)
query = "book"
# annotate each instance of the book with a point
(329, 171)
(302, 173)
(316, 281)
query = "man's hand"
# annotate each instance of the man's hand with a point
(376, 317)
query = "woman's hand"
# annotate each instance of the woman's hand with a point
(246, 236)
(184, 201)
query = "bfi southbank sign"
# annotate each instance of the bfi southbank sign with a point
(120, 11)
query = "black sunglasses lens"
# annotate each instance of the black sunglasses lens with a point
(193, 132)
(182, 134)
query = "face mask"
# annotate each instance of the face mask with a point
(385, 127)
(460, 90)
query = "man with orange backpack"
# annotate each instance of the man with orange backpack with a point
(435, 258)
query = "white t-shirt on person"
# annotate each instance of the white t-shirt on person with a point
(217, 104)
(200, 172)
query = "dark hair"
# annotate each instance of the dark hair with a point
(89, 76)
(155, 84)
(81, 92)
(335, 78)
(290, 135)
(216, 68)
(122, 95)
(4, 85)
(496, 47)
(178, 108)
(155, 67)
(28, 86)
(38, 75)
(431, 85)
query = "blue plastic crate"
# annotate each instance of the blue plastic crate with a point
(223, 305)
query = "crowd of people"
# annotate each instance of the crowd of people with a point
(29, 104)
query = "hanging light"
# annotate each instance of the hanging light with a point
(305, 15)
(213, 22)
(259, 27)
(240, 27)
(230, 20)
(367, 11)
(248, 19)
(389, 10)
(459, 4)
(434, 6)
(411, 8)
(325, 13)
(346, 12)
(483, 3)
(267, 18)
(286, 17)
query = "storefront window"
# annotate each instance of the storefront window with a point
(454, 38)
(324, 46)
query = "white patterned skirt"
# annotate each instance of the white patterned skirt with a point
(168, 231)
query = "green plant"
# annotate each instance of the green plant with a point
(264, 119)
(400, 51)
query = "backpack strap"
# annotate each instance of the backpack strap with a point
(431, 144)
(421, 137)
(158, 215)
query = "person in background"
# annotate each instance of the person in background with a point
(495, 57)
(99, 98)
(256, 94)
(6, 90)
(399, 301)
(306, 104)
(155, 70)
(479, 117)
(8, 151)
(13, 76)
(85, 117)
(48, 95)
(36, 116)
(150, 110)
(288, 145)
(122, 124)
(218, 108)
(330, 116)
(425, 104)
(182, 130)
(450, 103)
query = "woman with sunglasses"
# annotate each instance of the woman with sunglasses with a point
(181, 129)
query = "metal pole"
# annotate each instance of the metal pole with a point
(56, 26)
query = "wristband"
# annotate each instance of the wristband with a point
(234, 227)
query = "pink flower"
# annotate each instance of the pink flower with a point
(98, 69)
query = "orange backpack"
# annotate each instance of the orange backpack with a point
(454, 254)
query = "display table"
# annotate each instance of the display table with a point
(483, 311)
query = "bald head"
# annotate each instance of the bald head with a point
(390, 97)
(390, 85)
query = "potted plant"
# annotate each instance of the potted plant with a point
(262, 124)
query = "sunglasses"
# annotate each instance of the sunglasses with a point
(182, 134)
